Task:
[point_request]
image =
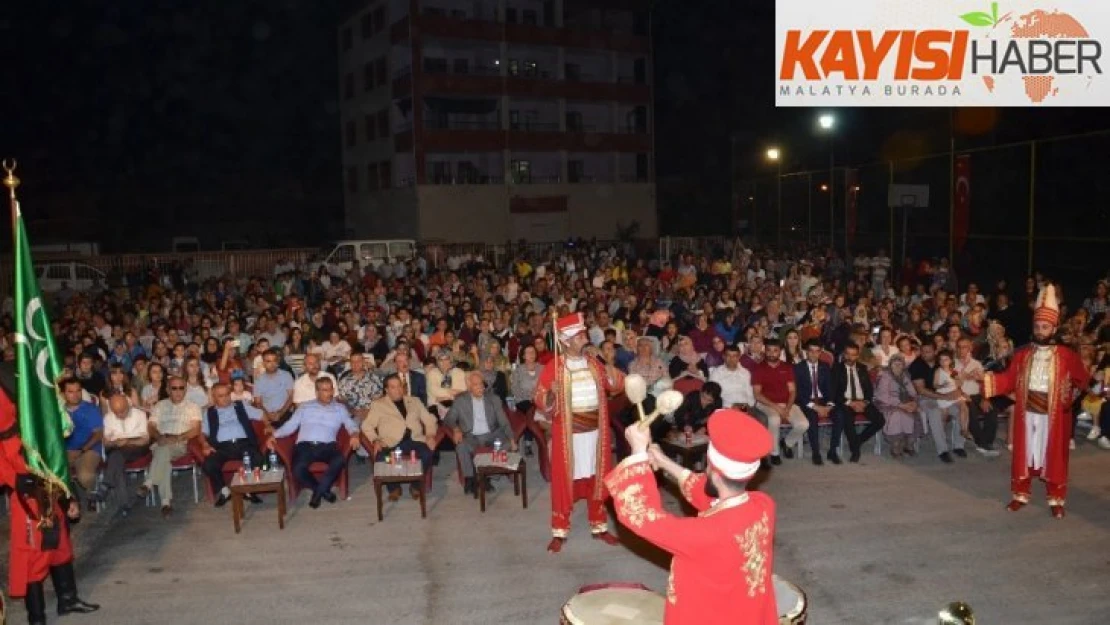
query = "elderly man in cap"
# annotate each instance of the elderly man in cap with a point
(574, 389)
(721, 570)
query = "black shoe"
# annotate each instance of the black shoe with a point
(854, 457)
(945, 457)
(775, 460)
(314, 502)
(959, 452)
(65, 585)
(786, 451)
(254, 498)
(469, 488)
(91, 503)
(435, 458)
(222, 500)
(35, 601)
(817, 461)
(328, 497)
(834, 457)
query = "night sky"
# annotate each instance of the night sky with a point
(219, 119)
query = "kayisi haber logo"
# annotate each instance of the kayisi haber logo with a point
(989, 56)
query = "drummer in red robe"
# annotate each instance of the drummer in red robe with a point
(721, 569)
(574, 389)
(39, 543)
(1043, 378)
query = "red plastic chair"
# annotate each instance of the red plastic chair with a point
(187, 463)
(139, 467)
(285, 448)
(231, 467)
(526, 422)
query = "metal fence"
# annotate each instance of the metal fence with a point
(1033, 206)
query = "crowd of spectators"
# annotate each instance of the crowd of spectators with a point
(808, 342)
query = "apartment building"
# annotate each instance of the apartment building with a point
(491, 120)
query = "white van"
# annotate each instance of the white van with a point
(340, 258)
(76, 276)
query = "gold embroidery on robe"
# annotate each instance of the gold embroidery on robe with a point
(633, 506)
(753, 543)
(672, 597)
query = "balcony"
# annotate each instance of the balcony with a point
(464, 26)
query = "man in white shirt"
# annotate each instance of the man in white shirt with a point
(735, 382)
(983, 418)
(304, 389)
(126, 440)
(172, 424)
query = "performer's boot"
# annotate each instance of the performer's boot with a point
(607, 538)
(1057, 511)
(1015, 505)
(65, 586)
(556, 545)
(36, 604)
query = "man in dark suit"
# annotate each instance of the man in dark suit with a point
(852, 395)
(478, 419)
(813, 379)
(412, 381)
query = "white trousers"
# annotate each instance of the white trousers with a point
(1036, 439)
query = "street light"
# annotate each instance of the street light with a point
(775, 155)
(826, 122)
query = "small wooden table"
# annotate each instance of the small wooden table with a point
(688, 452)
(485, 467)
(268, 482)
(404, 473)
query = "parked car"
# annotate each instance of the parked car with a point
(77, 276)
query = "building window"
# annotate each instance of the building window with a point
(514, 120)
(514, 67)
(368, 77)
(574, 121)
(462, 66)
(439, 172)
(352, 134)
(468, 173)
(386, 169)
(510, 15)
(573, 71)
(383, 124)
(576, 170)
(366, 25)
(345, 39)
(372, 177)
(642, 167)
(352, 180)
(458, 14)
(529, 17)
(348, 86)
(379, 19)
(434, 65)
(371, 128)
(521, 171)
(379, 70)
(531, 69)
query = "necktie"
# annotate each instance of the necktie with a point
(813, 379)
(851, 382)
(405, 383)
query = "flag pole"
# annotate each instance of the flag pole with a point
(11, 182)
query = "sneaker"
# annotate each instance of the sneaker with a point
(1084, 416)
(1104, 443)
(1094, 434)
(986, 453)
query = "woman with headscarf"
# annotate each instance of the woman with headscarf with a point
(896, 398)
(687, 361)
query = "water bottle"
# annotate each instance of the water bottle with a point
(274, 462)
(247, 461)
(497, 446)
(397, 455)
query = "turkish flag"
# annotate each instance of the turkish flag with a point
(961, 218)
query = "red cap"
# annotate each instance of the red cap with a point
(737, 442)
(570, 325)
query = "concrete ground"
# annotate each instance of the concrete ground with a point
(881, 542)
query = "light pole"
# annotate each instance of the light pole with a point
(826, 122)
(775, 155)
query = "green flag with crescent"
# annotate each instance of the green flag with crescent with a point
(43, 422)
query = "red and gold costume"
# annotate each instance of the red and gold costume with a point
(721, 571)
(1043, 379)
(28, 561)
(574, 392)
